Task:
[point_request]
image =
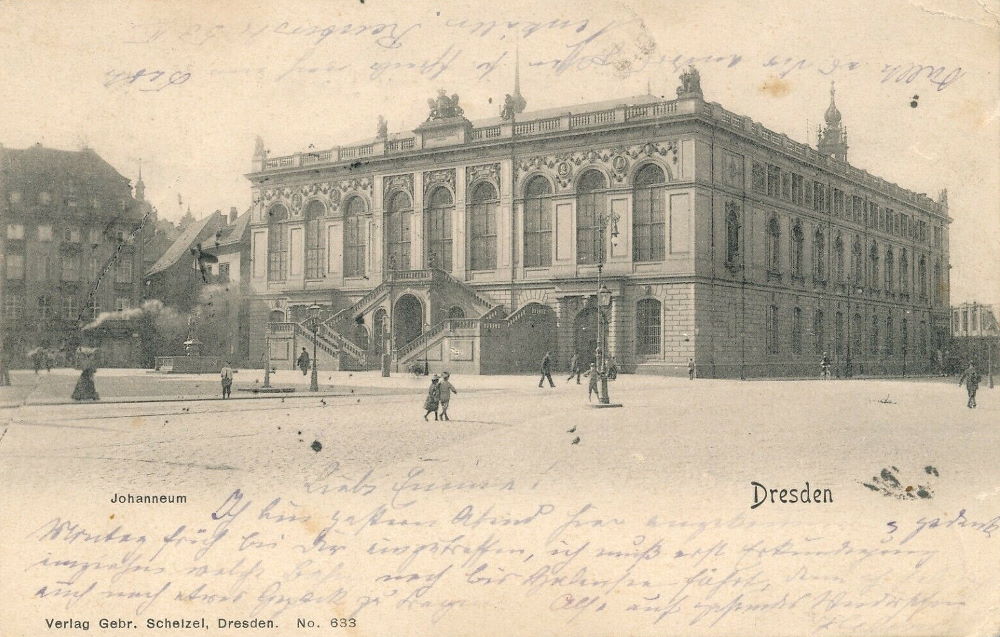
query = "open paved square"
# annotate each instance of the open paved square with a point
(647, 513)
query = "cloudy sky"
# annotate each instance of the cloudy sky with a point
(186, 86)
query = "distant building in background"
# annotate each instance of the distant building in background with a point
(72, 248)
(210, 295)
(973, 319)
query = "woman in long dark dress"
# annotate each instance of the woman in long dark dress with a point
(433, 398)
(85, 388)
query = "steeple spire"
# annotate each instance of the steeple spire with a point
(514, 104)
(140, 187)
(833, 137)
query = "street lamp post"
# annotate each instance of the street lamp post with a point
(314, 380)
(427, 364)
(267, 356)
(603, 302)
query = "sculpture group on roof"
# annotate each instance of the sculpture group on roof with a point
(690, 84)
(444, 107)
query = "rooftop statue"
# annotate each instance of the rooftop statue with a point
(444, 107)
(512, 105)
(258, 148)
(383, 128)
(690, 84)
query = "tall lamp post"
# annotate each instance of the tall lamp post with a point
(603, 301)
(314, 325)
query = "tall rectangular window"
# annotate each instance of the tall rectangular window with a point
(758, 178)
(355, 239)
(649, 215)
(591, 209)
(483, 227)
(773, 181)
(772, 329)
(15, 266)
(277, 243)
(440, 210)
(71, 267)
(537, 224)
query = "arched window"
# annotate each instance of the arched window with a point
(873, 278)
(795, 252)
(732, 234)
(936, 288)
(857, 267)
(874, 335)
(314, 239)
(355, 237)
(856, 335)
(797, 330)
(591, 206)
(889, 344)
(904, 273)
(483, 228)
(890, 264)
(277, 243)
(773, 246)
(819, 255)
(838, 333)
(838, 257)
(819, 332)
(773, 344)
(440, 209)
(922, 275)
(397, 231)
(456, 312)
(537, 223)
(649, 214)
(647, 327)
(44, 308)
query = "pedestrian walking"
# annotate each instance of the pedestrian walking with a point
(825, 366)
(546, 370)
(36, 358)
(690, 369)
(47, 357)
(612, 369)
(970, 378)
(4, 372)
(574, 368)
(592, 384)
(303, 361)
(85, 388)
(433, 398)
(445, 390)
(227, 380)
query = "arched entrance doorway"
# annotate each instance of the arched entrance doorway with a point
(534, 335)
(585, 339)
(378, 330)
(407, 320)
(276, 316)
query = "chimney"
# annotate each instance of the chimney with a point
(232, 215)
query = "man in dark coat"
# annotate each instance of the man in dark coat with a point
(303, 361)
(970, 378)
(546, 370)
(574, 368)
(445, 390)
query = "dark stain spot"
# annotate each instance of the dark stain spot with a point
(913, 101)
(111, 517)
(316, 446)
(930, 470)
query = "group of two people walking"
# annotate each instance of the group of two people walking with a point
(576, 370)
(439, 395)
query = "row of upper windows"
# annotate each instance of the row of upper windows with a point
(45, 232)
(42, 267)
(485, 192)
(773, 181)
(884, 334)
(71, 198)
(68, 308)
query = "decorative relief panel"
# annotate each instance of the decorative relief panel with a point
(616, 161)
(484, 172)
(330, 193)
(434, 178)
(398, 182)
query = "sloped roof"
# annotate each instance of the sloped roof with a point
(231, 233)
(194, 233)
(39, 161)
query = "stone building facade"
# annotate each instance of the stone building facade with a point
(72, 249)
(477, 246)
